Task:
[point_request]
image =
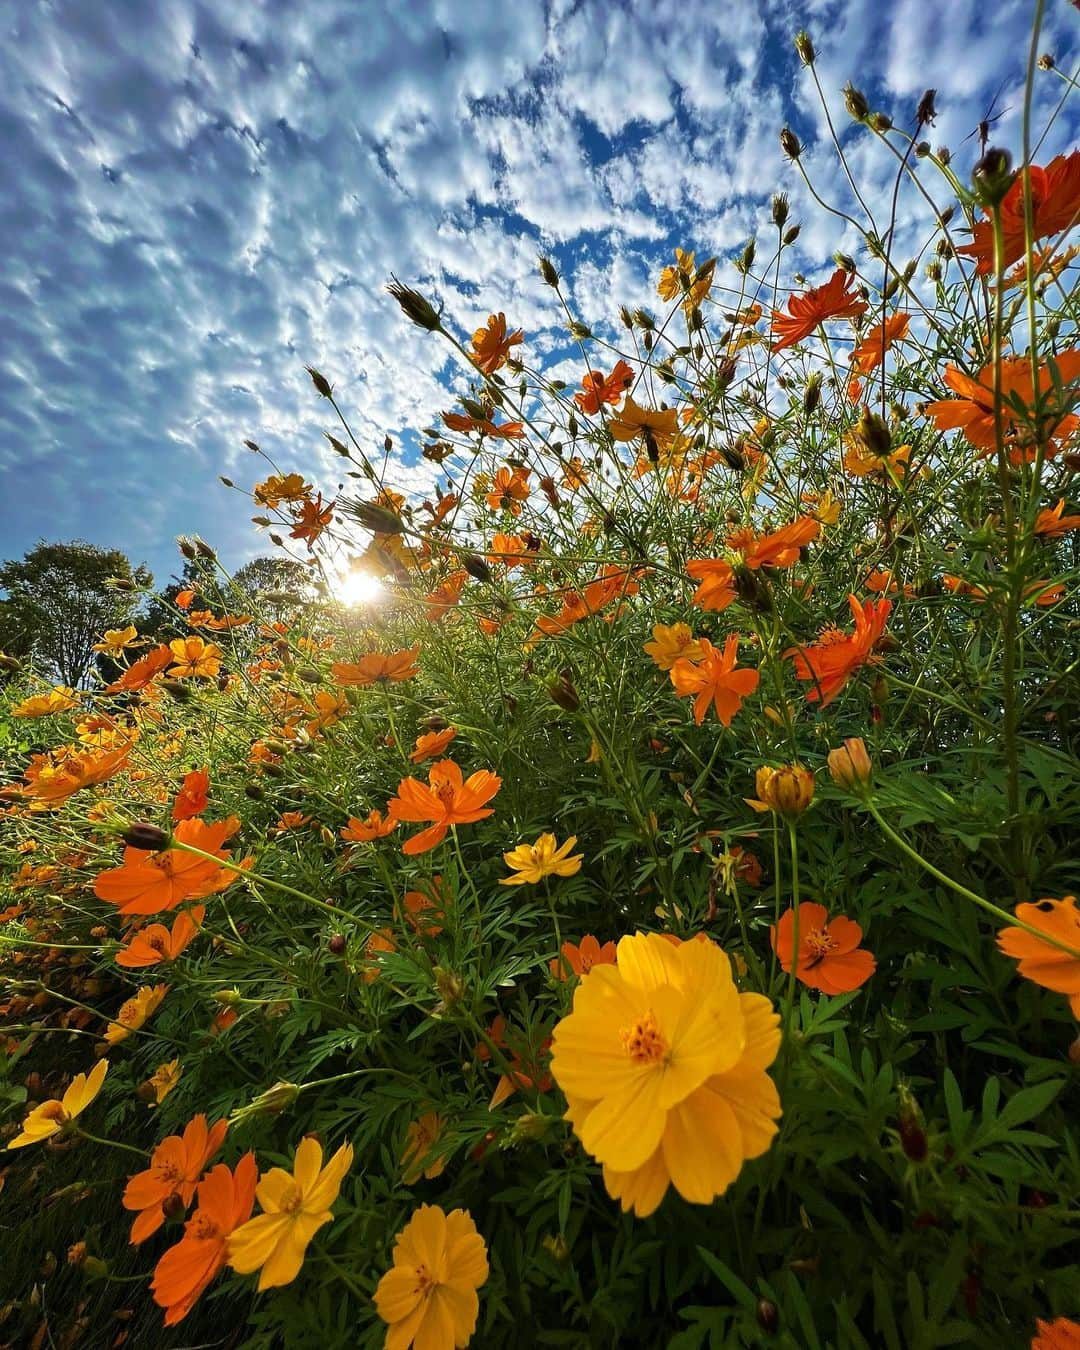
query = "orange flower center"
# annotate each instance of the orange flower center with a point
(445, 793)
(424, 1281)
(169, 1173)
(54, 1111)
(643, 1040)
(818, 944)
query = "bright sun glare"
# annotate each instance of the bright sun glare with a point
(358, 588)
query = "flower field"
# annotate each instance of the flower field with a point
(644, 914)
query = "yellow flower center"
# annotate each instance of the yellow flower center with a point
(424, 1281)
(291, 1199)
(643, 1040)
(54, 1111)
(819, 944)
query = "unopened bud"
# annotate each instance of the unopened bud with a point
(142, 835)
(790, 143)
(850, 765)
(322, 385)
(804, 47)
(450, 987)
(419, 310)
(768, 1315)
(855, 102)
(1046, 61)
(476, 567)
(563, 693)
(780, 209)
(993, 176)
(187, 548)
(548, 272)
(925, 112)
(376, 518)
(336, 943)
(580, 332)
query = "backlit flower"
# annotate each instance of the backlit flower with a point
(162, 1081)
(1040, 962)
(281, 487)
(632, 421)
(147, 883)
(716, 583)
(193, 656)
(833, 659)
(135, 1012)
(373, 826)
(155, 943)
(579, 959)
(49, 1118)
(715, 679)
(671, 644)
(194, 795)
(849, 765)
(491, 344)
(780, 548)
(428, 1298)
(431, 744)
(52, 778)
(329, 708)
(663, 1064)
(833, 300)
(377, 668)
(534, 862)
(446, 799)
(226, 1199)
(972, 412)
(176, 1165)
(509, 488)
(600, 389)
(788, 790)
(59, 699)
(311, 518)
(876, 341)
(508, 431)
(295, 1206)
(117, 640)
(1055, 207)
(1051, 523)
(140, 673)
(830, 958)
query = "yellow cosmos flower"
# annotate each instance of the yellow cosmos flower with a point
(674, 643)
(162, 1081)
(788, 790)
(429, 1297)
(295, 1206)
(420, 1138)
(117, 640)
(663, 1064)
(50, 1117)
(135, 1012)
(534, 862)
(58, 699)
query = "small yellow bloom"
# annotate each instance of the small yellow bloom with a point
(428, 1298)
(135, 1012)
(295, 1206)
(59, 699)
(596, 753)
(788, 790)
(421, 1135)
(850, 765)
(674, 643)
(116, 640)
(534, 862)
(164, 1078)
(50, 1117)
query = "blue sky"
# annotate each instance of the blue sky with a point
(200, 196)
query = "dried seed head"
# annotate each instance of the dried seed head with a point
(790, 143)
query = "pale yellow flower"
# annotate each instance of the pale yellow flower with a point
(534, 862)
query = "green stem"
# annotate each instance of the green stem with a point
(110, 1143)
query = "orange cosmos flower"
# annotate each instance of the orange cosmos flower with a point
(526, 1072)
(834, 658)
(830, 958)
(184, 598)
(1055, 208)
(54, 777)
(580, 959)
(135, 1012)
(445, 596)
(714, 679)
(372, 827)
(973, 411)
(226, 1199)
(509, 549)
(194, 657)
(509, 431)
(600, 389)
(194, 795)
(147, 883)
(446, 798)
(716, 583)
(1052, 523)
(311, 519)
(175, 1167)
(291, 820)
(422, 913)
(1060, 1334)
(420, 1137)
(492, 343)
(57, 700)
(870, 352)
(281, 487)
(509, 488)
(329, 709)
(376, 668)
(432, 744)
(139, 674)
(781, 548)
(155, 943)
(1041, 963)
(632, 421)
(860, 461)
(805, 312)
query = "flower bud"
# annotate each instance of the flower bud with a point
(337, 943)
(419, 310)
(10, 663)
(850, 765)
(579, 331)
(780, 209)
(788, 790)
(768, 1315)
(992, 177)
(925, 112)
(562, 692)
(376, 518)
(855, 102)
(178, 692)
(812, 393)
(804, 47)
(1046, 61)
(476, 567)
(844, 261)
(789, 143)
(94, 1268)
(871, 435)
(142, 835)
(450, 987)
(547, 271)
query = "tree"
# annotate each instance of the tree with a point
(61, 598)
(278, 585)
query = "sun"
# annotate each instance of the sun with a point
(356, 587)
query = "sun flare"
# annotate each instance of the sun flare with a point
(355, 588)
